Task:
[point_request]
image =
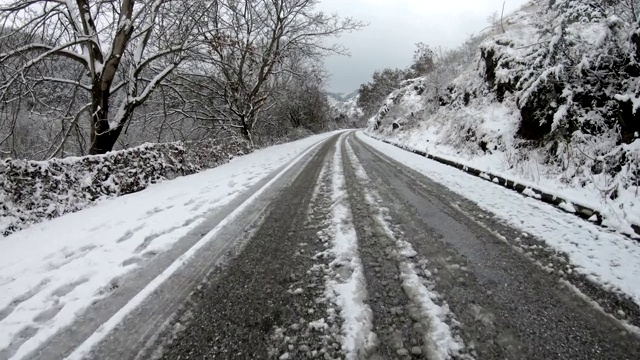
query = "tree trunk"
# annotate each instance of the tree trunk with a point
(104, 142)
(247, 130)
(635, 39)
(102, 137)
(246, 133)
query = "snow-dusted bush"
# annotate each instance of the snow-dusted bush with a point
(553, 99)
(31, 191)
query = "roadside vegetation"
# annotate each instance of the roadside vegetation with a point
(86, 77)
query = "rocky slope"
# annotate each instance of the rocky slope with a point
(549, 96)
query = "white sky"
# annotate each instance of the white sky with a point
(395, 26)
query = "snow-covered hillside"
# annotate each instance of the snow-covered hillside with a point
(551, 101)
(344, 105)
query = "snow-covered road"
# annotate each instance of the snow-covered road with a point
(51, 272)
(604, 256)
(338, 245)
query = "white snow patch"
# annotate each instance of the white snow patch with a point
(297, 291)
(530, 193)
(567, 206)
(629, 97)
(319, 325)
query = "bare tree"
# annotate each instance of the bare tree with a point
(249, 46)
(124, 50)
(303, 103)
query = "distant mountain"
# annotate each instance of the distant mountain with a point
(344, 105)
(343, 97)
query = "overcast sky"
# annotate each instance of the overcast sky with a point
(395, 26)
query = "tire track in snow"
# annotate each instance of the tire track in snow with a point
(84, 349)
(348, 286)
(435, 319)
(481, 278)
(317, 332)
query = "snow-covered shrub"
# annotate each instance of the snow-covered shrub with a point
(210, 153)
(31, 191)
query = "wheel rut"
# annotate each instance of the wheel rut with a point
(267, 302)
(395, 317)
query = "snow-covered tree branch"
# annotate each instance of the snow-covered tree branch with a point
(248, 44)
(124, 48)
